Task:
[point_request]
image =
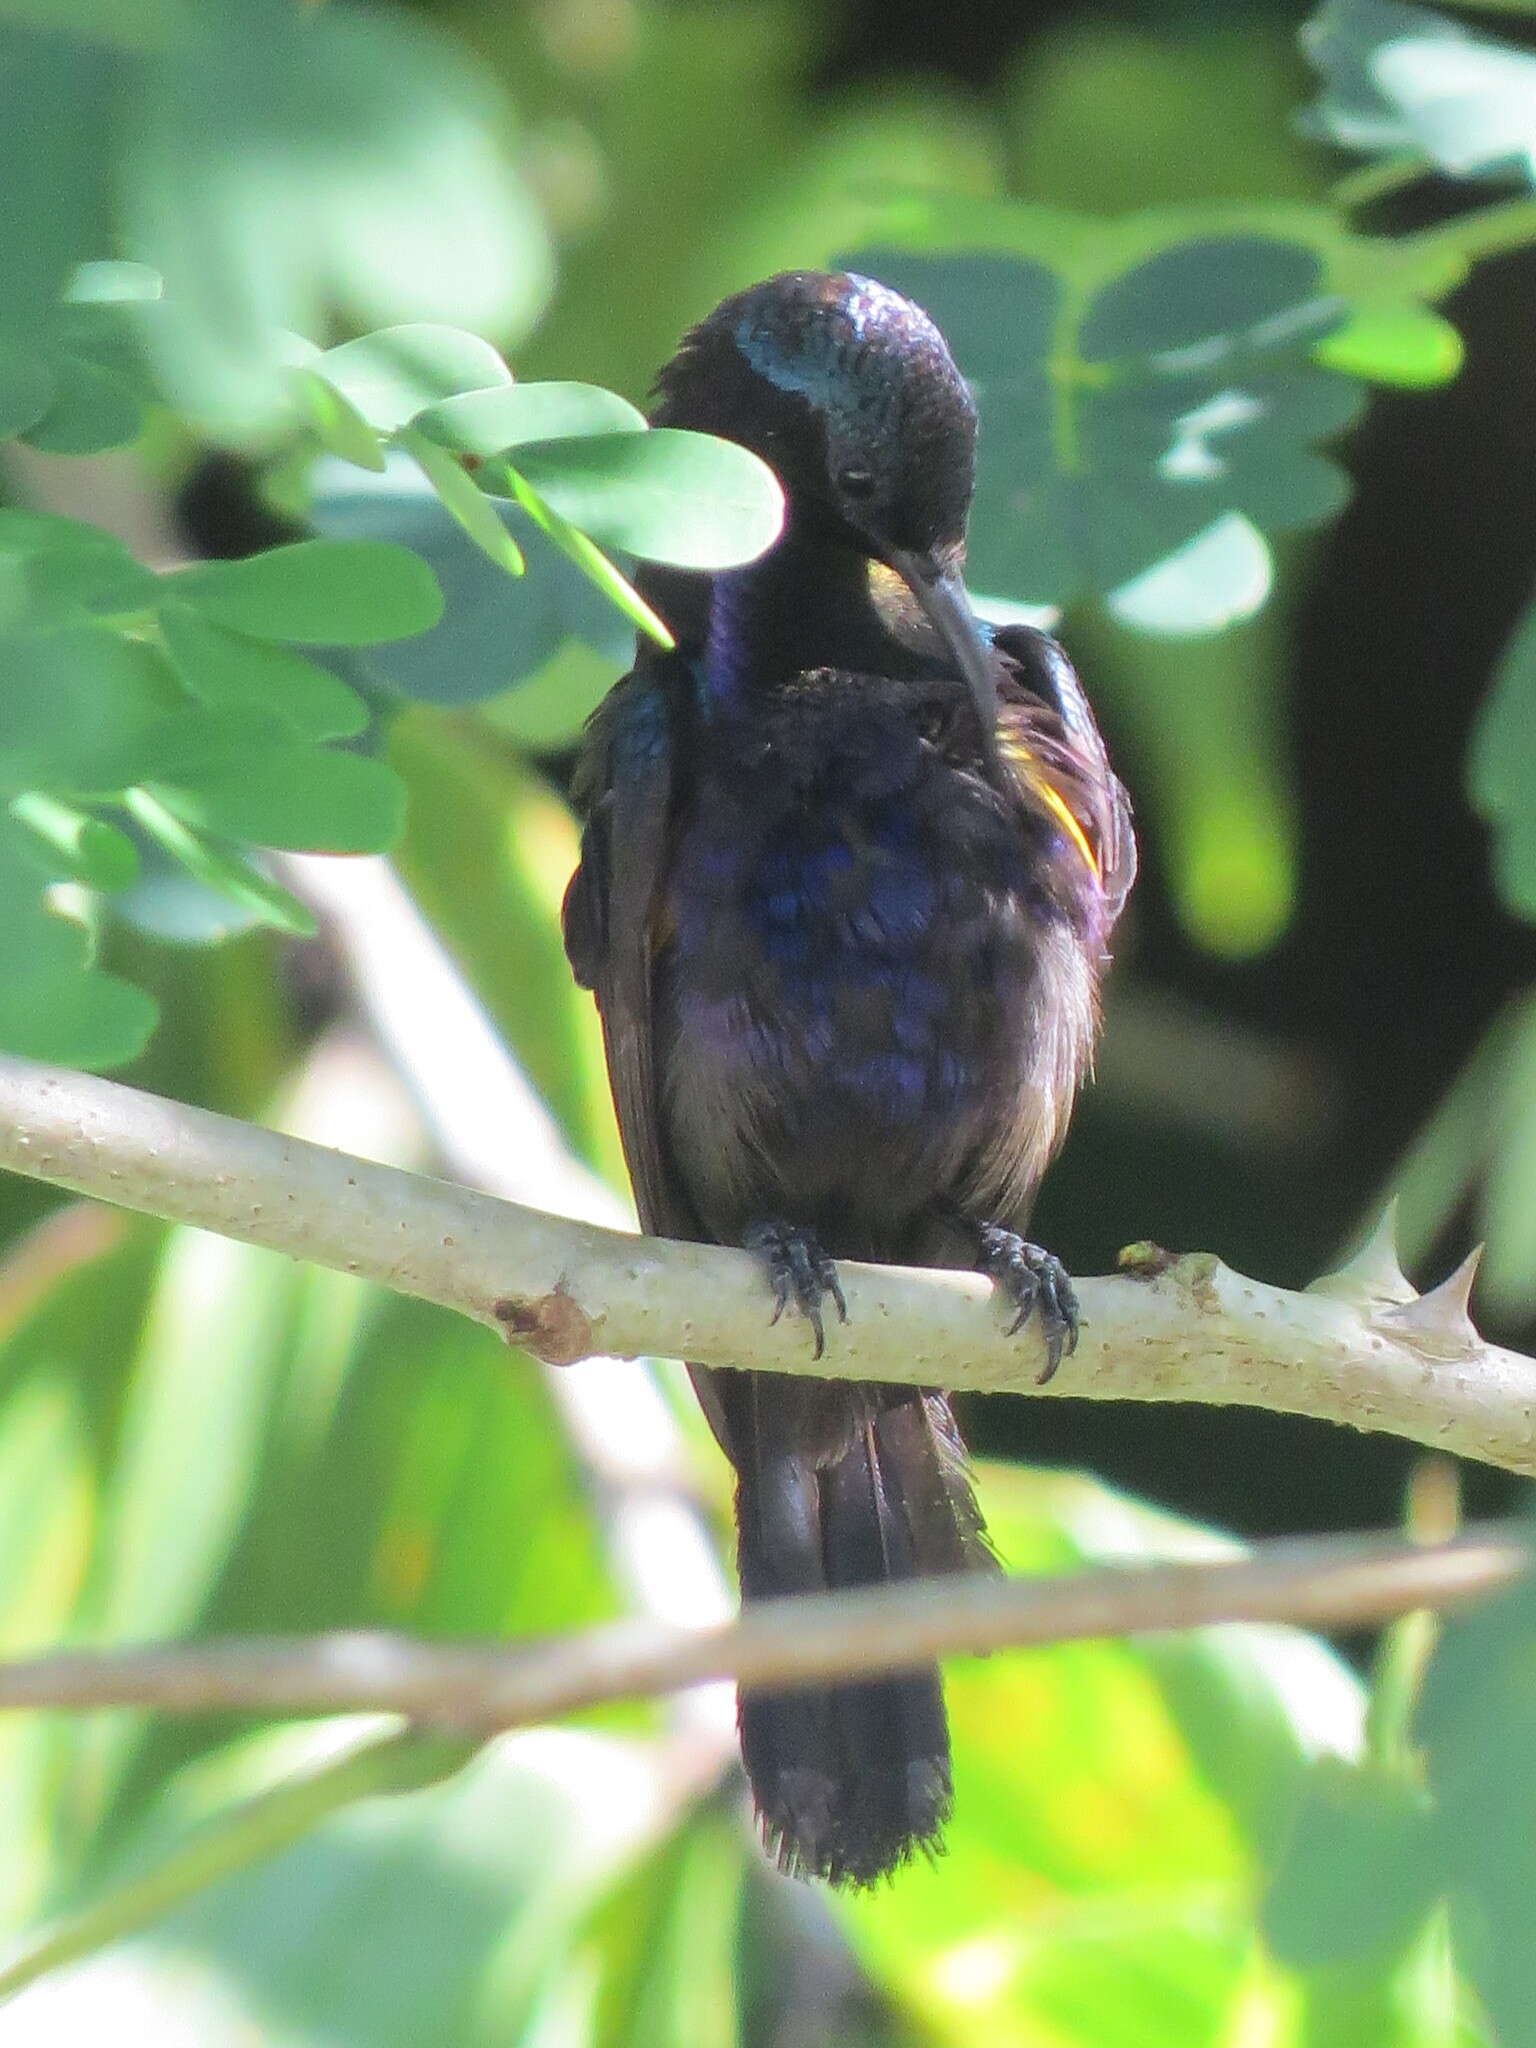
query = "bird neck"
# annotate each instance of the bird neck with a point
(812, 602)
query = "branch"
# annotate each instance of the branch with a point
(1358, 1347)
(1329, 1581)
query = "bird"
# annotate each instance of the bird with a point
(849, 863)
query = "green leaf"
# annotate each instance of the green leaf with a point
(27, 387)
(1359, 1875)
(288, 160)
(80, 711)
(60, 573)
(463, 500)
(333, 592)
(1407, 346)
(669, 495)
(89, 850)
(54, 1003)
(339, 427)
(398, 372)
(1110, 1812)
(489, 422)
(579, 549)
(1135, 401)
(241, 776)
(1406, 80)
(1501, 768)
(1213, 294)
(665, 1943)
(1221, 576)
(52, 168)
(91, 409)
(221, 868)
(1477, 1725)
(491, 632)
(232, 670)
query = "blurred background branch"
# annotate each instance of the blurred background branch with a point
(1324, 1582)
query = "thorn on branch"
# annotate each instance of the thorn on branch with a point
(1440, 1322)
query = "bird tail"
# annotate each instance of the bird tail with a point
(851, 1780)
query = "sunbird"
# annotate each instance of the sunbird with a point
(849, 865)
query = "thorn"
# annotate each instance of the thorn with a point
(1440, 1321)
(1373, 1274)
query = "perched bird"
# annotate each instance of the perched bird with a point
(849, 864)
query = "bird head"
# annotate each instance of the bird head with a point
(848, 391)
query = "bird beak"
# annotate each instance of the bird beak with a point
(943, 596)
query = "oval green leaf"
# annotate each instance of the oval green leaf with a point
(487, 422)
(229, 670)
(463, 500)
(390, 376)
(668, 495)
(339, 593)
(295, 797)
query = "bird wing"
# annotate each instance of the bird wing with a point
(614, 906)
(1048, 731)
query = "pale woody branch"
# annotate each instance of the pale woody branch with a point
(1358, 1348)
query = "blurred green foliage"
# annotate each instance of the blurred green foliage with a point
(314, 235)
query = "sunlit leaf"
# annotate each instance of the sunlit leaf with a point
(1407, 79)
(1098, 1877)
(489, 422)
(461, 497)
(392, 375)
(1408, 346)
(578, 547)
(668, 495)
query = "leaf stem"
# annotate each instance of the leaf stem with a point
(1375, 181)
(1488, 231)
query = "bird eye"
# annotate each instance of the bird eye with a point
(856, 483)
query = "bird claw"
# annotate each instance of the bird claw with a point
(1037, 1283)
(800, 1272)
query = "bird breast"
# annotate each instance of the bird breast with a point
(870, 1001)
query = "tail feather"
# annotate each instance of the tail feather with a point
(851, 1780)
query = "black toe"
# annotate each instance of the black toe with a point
(1037, 1283)
(800, 1271)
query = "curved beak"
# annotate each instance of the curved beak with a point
(943, 596)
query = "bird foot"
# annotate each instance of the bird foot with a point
(800, 1272)
(1036, 1282)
